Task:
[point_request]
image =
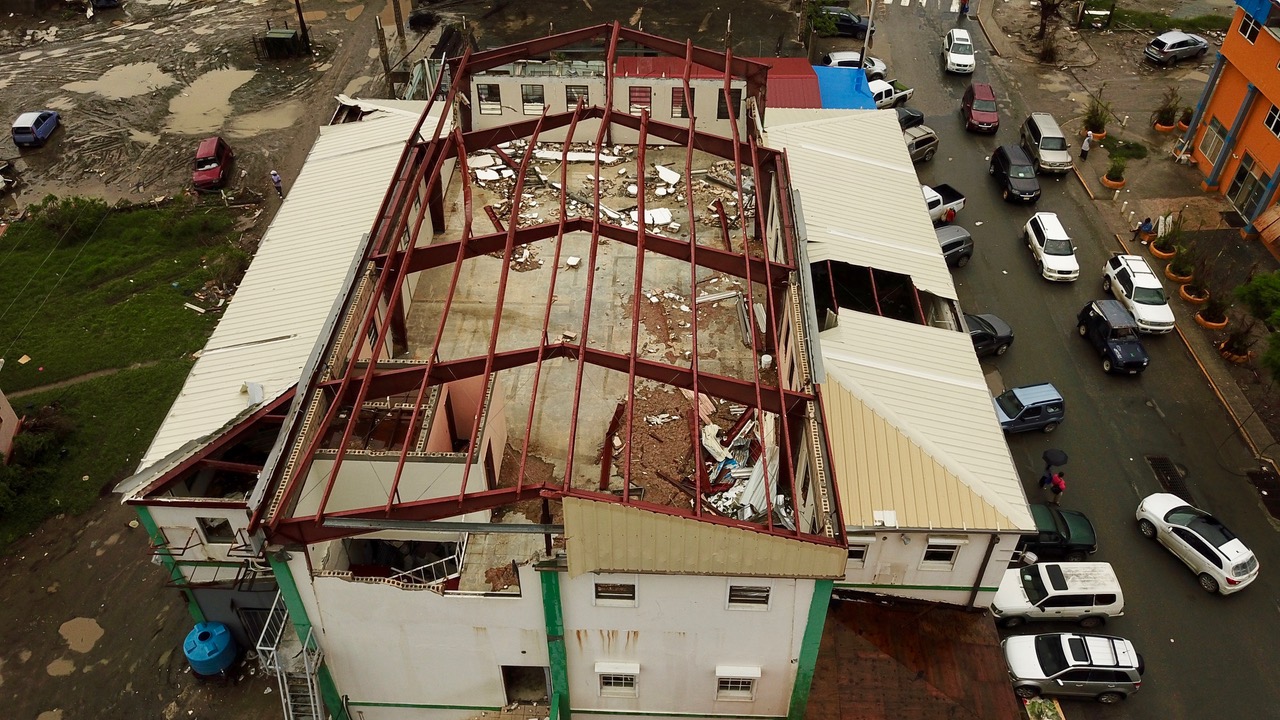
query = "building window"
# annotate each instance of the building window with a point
(1273, 121)
(574, 93)
(940, 553)
(641, 97)
(722, 108)
(490, 99)
(748, 597)
(1211, 142)
(616, 594)
(1249, 27)
(680, 108)
(858, 554)
(217, 530)
(1248, 187)
(618, 686)
(735, 688)
(533, 99)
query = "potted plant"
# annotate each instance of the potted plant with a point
(1196, 292)
(1213, 314)
(1184, 117)
(1165, 246)
(1235, 347)
(1182, 268)
(1166, 113)
(1095, 117)
(1114, 178)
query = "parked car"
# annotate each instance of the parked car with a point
(889, 93)
(32, 129)
(1083, 592)
(874, 67)
(1011, 167)
(847, 24)
(1131, 280)
(1218, 558)
(956, 244)
(1066, 534)
(1113, 332)
(1045, 144)
(1051, 247)
(1030, 407)
(1168, 48)
(909, 117)
(957, 52)
(943, 202)
(1102, 667)
(990, 334)
(979, 110)
(213, 164)
(922, 143)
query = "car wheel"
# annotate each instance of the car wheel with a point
(1082, 329)
(1002, 349)
(1051, 427)
(1109, 698)
(859, 35)
(1106, 284)
(1200, 53)
(1147, 529)
(1092, 621)
(1040, 267)
(1012, 622)
(1106, 365)
(962, 261)
(928, 156)
(1076, 556)
(1026, 693)
(1208, 583)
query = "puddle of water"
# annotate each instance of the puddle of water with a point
(373, 52)
(276, 118)
(205, 103)
(55, 714)
(354, 12)
(388, 16)
(81, 633)
(62, 102)
(191, 48)
(24, 655)
(315, 15)
(60, 667)
(354, 87)
(124, 81)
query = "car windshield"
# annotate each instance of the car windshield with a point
(1049, 653)
(1124, 333)
(977, 323)
(1033, 585)
(984, 105)
(1053, 143)
(1058, 246)
(206, 163)
(1009, 404)
(962, 48)
(1159, 44)
(1149, 296)
(1208, 527)
(1022, 171)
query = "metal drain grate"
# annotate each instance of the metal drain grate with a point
(1268, 485)
(1169, 475)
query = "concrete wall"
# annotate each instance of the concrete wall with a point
(8, 428)
(177, 524)
(894, 568)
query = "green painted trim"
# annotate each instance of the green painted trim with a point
(207, 563)
(948, 588)
(159, 540)
(809, 649)
(582, 711)
(302, 625)
(553, 612)
(421, 706)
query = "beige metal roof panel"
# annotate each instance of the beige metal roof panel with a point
(273, 322)
(861, 198)
(610, 537)
(919, 406)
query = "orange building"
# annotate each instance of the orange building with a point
(1234, 136)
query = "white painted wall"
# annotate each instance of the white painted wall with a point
(897, 569)
(177, 524)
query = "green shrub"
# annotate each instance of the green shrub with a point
(1160, 22)
(1123, 148)
(1262, 295)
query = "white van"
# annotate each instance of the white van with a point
(1084, 592)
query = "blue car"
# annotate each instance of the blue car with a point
(34, 128)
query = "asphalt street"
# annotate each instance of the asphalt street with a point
(1207, 656)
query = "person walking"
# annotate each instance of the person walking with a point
(964, 8)
(1084, 146)
(275, 180)
(1057, 486)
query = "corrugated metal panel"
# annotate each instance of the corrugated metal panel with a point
(610, 537)
(862, 200)
(272, 323)
(1268, 224)
(916, 427)
(777, 117)
(792, 84)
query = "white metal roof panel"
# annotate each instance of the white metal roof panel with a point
(926, 382)
(861, 198)
(273, 322)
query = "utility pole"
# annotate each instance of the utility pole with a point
(302, 24)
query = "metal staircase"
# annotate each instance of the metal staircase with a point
(295, 663)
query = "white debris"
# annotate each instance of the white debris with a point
(667, 175)
(483, 175)
(555, 156)
(656, 216)
(572, 261)
(482, 161)
(632, 191)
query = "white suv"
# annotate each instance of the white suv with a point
(1084, 592)
(1220, 560)
(874, 66)
(957, 52)
(1131, 280)
(1051, 247)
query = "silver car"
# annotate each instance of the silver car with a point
(1175, 45)
(1101, 667)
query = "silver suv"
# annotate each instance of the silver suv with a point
(1101, 667)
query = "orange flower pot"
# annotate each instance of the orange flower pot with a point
(1169, 273)
(1161, 254)
(1163, 128)
(1112, 184)
(1183, 127)
(1097, 134)
(1193, 299)
(1209, 324)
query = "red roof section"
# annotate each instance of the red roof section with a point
(792, 82)
(664, 66)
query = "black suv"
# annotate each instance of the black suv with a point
(1060, 533)
(1011, 167)
(847, 24)
(1113, 332)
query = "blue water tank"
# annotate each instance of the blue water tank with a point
(210, 648)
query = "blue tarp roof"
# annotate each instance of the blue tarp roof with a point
(844, 88)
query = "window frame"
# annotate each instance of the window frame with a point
(1254, 28)
(861, 561)
(1215, 130)
(203, 524)
(722, 107)
(1272, 121)
(748, 604)
(490, 106)
(531, 90)
(619, 601)
(573, 92)
(735, 689)
(634, 107)
(942, 544)
(623, 688)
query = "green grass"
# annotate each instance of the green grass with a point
(1160, 23)
(113, 420)
(1123, 148)
(87, 288)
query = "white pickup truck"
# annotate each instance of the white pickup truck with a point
(943, 202)
(889, 93)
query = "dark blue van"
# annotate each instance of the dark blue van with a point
(33, 129)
